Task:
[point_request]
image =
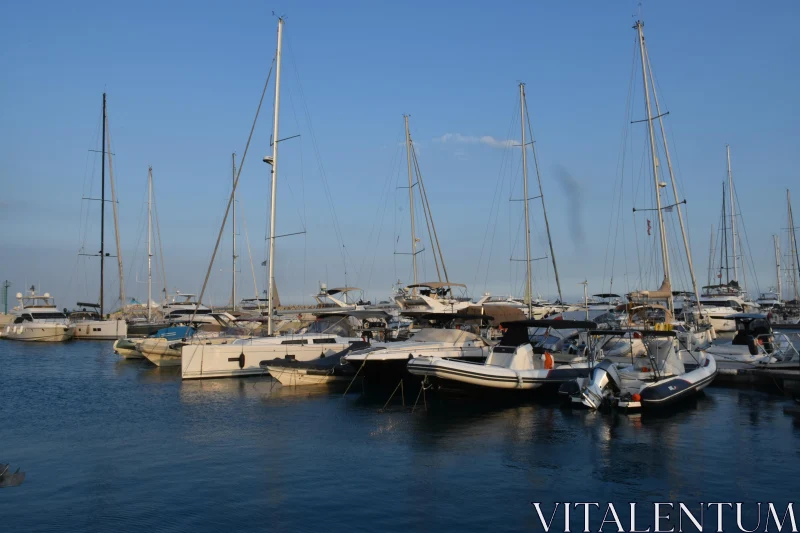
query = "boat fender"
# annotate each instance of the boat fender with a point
(519, 380)
(548, 361)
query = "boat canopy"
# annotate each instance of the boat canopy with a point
(642, 332)
(553, 324)
(436, 285)
(337, 290)
(354, 313)
(606, 295)
(454, 336)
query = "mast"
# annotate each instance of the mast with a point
(711, 255)
(233, 217)
(544, 209)
(664, 252)
(778, 266)
(724, 241)
(411, 205)
(528, 287)
(792, 246)
(733, 214)
(274, 162)
(121, 270)
(674, 186)
(149, 243)
(102, 205)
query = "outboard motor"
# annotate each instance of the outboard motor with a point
(603, 377)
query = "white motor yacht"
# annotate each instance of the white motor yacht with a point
(37, 318)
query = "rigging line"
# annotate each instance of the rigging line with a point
(233, 192)
(747, 242)
(544, 209)
(139, 231)
(160, 248)
(323, 175)
(385, 197)
(620, 181)
(494, 208)
(426, 208)
(252, 267)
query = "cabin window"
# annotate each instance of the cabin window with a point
(44, 316)
(329, 340)
(295, 342)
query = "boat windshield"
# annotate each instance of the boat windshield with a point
(48, 316)
(721, 303)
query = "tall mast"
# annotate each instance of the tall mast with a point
(792, 246)
(711, 255)
(544, 210)
(778, 266)
(733, 214)
(411, 205)
(528, 287)
(149, 244)
(102, 205)
(664, 252)
(233, 217)
(724, 247)
(674, 186)
(120, 269)
(274, 162)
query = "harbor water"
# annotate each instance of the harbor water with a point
(114, 445)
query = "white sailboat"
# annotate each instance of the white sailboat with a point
(236, 357)
(93, 325)
(671, 368)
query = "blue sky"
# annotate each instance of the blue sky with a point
(183, 81)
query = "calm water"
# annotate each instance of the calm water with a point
(112, 445)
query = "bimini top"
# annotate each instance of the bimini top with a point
(642, 332)
(354, 313)
(606, 295)
(553, 324)
(436, 285)
(445, 316)
(340, 289)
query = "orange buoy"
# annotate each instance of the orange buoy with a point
(636, 397)
(548, 361)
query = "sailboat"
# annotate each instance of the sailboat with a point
(92, 324)
(671, 368)
(513, 363)
(722, 300)
(236, 357)
(432, 296)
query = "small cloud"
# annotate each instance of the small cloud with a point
(488, 140)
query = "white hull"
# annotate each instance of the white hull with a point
(722, 324)
(199, 361)
(490, 376)
(162, 359)
(297, 377)
(127, 349)
(38, 333)
(108, 330)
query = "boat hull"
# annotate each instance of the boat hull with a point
(297, 377)
(495, 377)
(103, 330)
(38, 333)
(127, 349)
(203, 361)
